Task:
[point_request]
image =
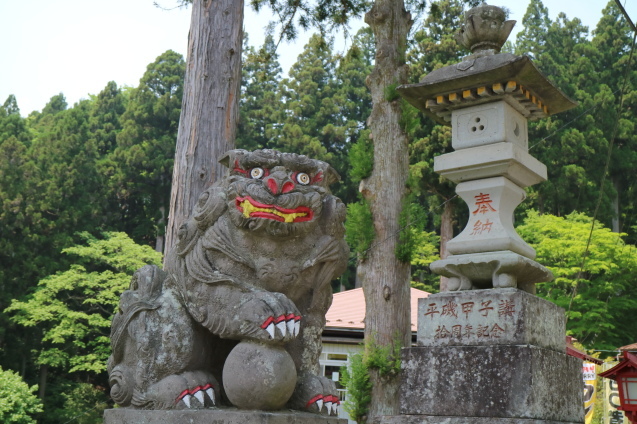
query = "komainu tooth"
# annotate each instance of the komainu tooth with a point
(199, 396)
(282, 328)
(270, 330)
(211, 395)
(186, 400)
(328, 406)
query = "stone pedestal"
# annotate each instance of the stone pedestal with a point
(491, 269)
(489, 356)
(214, 416)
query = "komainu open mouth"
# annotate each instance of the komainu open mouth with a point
(250, 208)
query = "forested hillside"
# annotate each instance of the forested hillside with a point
(84, 188)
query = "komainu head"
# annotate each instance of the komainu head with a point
(280, 193)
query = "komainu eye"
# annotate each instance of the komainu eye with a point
(303, 178)
(257, 173)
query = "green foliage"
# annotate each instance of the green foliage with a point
(261, 74)
(426, 251)
(140, 167)
(391, 93)
(18, 402)
(319, 110)
(383, 358)
(355, 377)
(361, 158)
(74, 307)
(84, 404)
(359, 228)
(410, 222)
(577, 143)
(596, 287)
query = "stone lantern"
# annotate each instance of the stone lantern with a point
(488, 99)
(489, 351)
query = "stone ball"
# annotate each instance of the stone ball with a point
(259, 376)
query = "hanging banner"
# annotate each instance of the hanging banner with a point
(611, 399)
(590, 392)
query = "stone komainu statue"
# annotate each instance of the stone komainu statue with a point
(253, 264)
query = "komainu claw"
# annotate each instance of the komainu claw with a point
(198, 393)
(186, 400)
(282, 326)
(297, 325)
(211, 395)
(270, 330)
(208, 389)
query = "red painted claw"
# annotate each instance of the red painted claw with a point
(198, 393)
(286, 324)
(331, 403)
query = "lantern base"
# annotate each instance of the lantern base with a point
(422, 419)
(495, 356)
(504, 382)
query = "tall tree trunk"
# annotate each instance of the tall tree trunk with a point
(616, 218)
(385, 279)
(446, 234)
(44, 373)
(210, 106)
(161, 230)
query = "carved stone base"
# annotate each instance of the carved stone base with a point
(214, 416)
(506, 382)
(490, 317)
(493, 269)
(422, 419)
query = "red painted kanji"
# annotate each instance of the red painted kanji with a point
(467, 308)
(481, 227)
(468, 331)
(483, 331)
(496, 331)
(486, 307)
(450, 308)
(456, 331)
(432, 309)
(442, 333)
(483, 203)
(506, 307)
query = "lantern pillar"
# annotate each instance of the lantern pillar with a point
(489, 351)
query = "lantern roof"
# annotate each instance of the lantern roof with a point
(485, 78)
(486, 75)
(629, 363)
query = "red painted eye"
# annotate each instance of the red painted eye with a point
(302, 178)
(257, 173)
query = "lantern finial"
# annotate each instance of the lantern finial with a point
(485, 29)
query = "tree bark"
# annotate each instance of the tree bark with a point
(44, 373)
(210, 106)
(446, 234)
(385, 279)
(616, 226)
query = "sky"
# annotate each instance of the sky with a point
(76, 47)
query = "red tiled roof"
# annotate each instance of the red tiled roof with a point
(348, 309)
(631, 347)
